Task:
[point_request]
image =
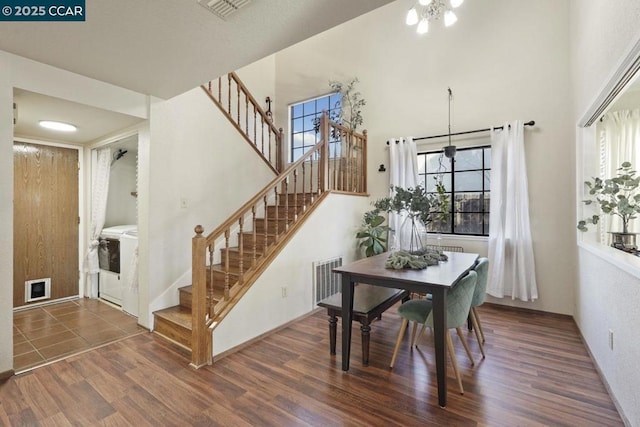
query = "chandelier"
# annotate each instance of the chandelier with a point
(431, 10)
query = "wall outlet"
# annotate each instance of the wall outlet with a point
(284, 291)
(183, 203)
(611, 339)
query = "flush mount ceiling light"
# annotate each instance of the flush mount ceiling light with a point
(426, 11)
(223, 8)
(59, 126)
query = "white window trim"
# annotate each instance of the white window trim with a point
(587, 150)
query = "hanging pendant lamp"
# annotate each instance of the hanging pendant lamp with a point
(450, 150)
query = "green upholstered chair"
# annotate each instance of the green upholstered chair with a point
(458, 305)
(482, 269)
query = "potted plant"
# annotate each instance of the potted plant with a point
(420, 206)
(373, 234)
(618, 196)
(347, 111)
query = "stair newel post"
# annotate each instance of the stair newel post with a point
(226, 264)
(241, 250)
(254, 235)
(324, 128)
(363, 172)
(199, 329)
(229, 100)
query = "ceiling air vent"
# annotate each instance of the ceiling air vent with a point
(223, 8)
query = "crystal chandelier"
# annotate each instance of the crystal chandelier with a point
(430, 10)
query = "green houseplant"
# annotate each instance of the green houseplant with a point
(421, 208)
(373, 234)
(347, 111)
(619, 196)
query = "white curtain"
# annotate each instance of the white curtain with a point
(512, 267)
(620, 137)
(403, 171)
(99, 193)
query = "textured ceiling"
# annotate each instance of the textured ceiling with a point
(166, 47)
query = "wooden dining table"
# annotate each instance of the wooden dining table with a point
(436, 280)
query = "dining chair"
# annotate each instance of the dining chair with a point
(458, 305)
(482, 269)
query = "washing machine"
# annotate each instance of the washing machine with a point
(111, 280)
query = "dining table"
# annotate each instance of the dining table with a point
(435, 280)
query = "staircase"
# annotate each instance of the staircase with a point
(227, 261)
(223, 278)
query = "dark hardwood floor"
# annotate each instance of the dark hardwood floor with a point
(537, 372)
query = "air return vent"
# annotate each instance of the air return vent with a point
(223, 8)
(326, 281)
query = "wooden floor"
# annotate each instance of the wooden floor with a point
(537, 372)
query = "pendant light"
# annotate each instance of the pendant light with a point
(450, 150)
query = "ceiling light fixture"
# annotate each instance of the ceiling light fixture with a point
(430, 10)
(59, 126)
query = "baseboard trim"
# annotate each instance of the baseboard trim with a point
(527, 310)
(6, 375)
(625, 420)
(262, 336)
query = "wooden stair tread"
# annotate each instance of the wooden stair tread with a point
(217, 293)
(236, 249)
(233, 270)
(177, 314)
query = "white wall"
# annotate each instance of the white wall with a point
(121, 205)
(6, 214)
(198, 157)
(504, 60)
(329, 232)
(20, 72)
(606, 297)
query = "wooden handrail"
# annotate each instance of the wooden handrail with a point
(258, 197)
(235, 77)
(296, 192)
(272, 153)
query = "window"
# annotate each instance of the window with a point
(303, 129)
(466, 181)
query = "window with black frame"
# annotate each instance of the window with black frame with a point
(305, 116)
(466, 180)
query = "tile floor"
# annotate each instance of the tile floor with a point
(47, 333)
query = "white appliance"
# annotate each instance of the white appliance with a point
(113, 267)
(129, 271)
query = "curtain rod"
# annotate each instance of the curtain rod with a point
(529, 123)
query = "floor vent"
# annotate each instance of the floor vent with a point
(223, 8)
(326, 282)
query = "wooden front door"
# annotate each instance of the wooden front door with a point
(45, 214)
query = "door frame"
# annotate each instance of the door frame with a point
(81, 200)
(90, 157)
